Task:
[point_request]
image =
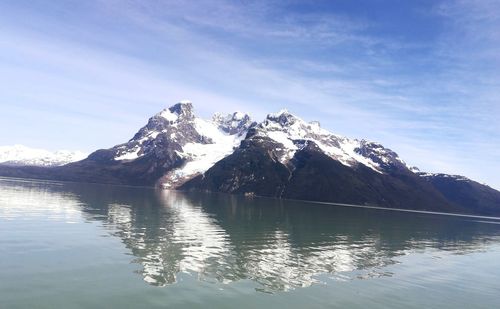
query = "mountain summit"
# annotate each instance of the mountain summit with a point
(282, 156)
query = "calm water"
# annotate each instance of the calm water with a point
(68, 245)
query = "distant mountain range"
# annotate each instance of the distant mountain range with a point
(19, 155)
(282, 156)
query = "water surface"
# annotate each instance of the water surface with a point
(68, 245)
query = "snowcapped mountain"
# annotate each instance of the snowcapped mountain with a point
(197, 142)
(197, 139)
(281, 156)
(173, 147)
(19, 155)
(291, 133)
(284, 156)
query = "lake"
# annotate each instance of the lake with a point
(72, 245)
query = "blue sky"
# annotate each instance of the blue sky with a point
(421, 77)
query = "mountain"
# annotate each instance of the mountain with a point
(286, 157)
(172, 147)
(478, 197)
(282, 156)
(19, 155)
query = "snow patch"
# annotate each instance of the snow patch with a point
(349, 146)
(130, 155)
(167, 114)
(456, 177)
(200, 157)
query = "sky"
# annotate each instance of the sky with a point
(420, 77)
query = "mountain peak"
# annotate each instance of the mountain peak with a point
(234, 123)
(384, 157)
(282, 112)
(283, 117)
(183, 109)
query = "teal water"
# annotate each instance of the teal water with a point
(67, 245)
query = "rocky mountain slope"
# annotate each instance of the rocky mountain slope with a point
(479, 198)
(282, 156)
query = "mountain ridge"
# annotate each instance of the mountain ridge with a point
(19, 155)
(282, 156)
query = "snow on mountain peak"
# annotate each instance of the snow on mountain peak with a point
(183, 109)
(290, 131)
(167, 114)
(442, 175)
(283, 118)
(235, 123)
(282, 111)
(383, 157)
(197, 143)
(239, 115)
(180, 111)
(22, 155)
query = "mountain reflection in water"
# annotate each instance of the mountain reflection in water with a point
(279, 244)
